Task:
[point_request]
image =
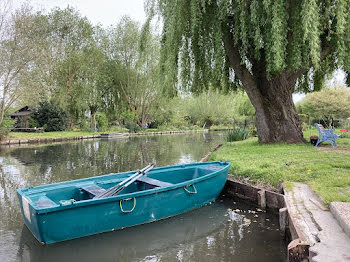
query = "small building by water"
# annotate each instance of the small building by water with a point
(22, 117)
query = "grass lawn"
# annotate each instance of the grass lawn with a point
(326, 170)
(58, 134)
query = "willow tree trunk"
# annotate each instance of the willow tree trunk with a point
(93, 111)
(271, 95)
(93, 121)
(276, 116)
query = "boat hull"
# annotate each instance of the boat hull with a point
(91, 216)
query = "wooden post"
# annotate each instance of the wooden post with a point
(283, 218)
(298, 251)
(262, 198)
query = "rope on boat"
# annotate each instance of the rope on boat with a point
(121, 205)
(191, 192)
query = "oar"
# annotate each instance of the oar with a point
(131, 181)
(117, 191)
(110, 190)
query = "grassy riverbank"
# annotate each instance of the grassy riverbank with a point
(43, 135)
(325, 169)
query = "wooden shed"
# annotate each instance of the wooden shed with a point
(22, 117)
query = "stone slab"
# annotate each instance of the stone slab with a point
(341, 211)
(328, 242)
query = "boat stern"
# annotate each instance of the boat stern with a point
(29, 214)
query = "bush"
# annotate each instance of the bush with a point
(6, 125)
(102, 121)
(326, 105)
(209, 108)
(237, 135)
(252, 130)
(33, 122)
(345, 135)
(133, 127)
(51, 117)
(130, 121)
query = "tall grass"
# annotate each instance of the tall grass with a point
(237, 134)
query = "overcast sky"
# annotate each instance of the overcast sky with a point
(105, 12)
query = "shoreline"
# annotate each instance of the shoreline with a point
(311, 229)
(20, 142)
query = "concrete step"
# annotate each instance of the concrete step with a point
(328, 242)
(341, 212)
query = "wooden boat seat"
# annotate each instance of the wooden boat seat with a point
(153, 182)
(93, 190)
(45, 202)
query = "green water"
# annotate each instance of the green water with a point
(211, 233)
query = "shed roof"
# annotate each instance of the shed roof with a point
(23, 113)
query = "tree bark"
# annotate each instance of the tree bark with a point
(93, 110)
(276, 116)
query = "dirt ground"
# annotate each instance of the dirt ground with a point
(338, 149)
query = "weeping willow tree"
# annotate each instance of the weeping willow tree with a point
(271, 48)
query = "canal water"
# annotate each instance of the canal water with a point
(226, 230)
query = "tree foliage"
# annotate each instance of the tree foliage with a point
(76, 61)
(95, 69)
(125, 74)
(207, 108)
(135, 53)
(285, 35)
(243, 108)
(6, 125)
(51, 117)
(327, 104)
(21, 50)
(270, 48)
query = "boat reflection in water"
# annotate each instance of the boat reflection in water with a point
(130, 243)
(211, 233)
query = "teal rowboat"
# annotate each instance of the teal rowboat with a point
(67, 210)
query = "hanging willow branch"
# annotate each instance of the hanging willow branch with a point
(289, 36)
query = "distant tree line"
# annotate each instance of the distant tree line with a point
(81, 76)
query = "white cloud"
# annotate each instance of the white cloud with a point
(105, 12)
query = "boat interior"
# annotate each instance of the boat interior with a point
(88, 189)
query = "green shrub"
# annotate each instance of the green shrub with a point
(304, 126)
(345, 135)
(51, 117)
(252, 131)
(33, 122)
(6, 126)
(133, 127)
(130, 121)
(237, 135)
(102, 121)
